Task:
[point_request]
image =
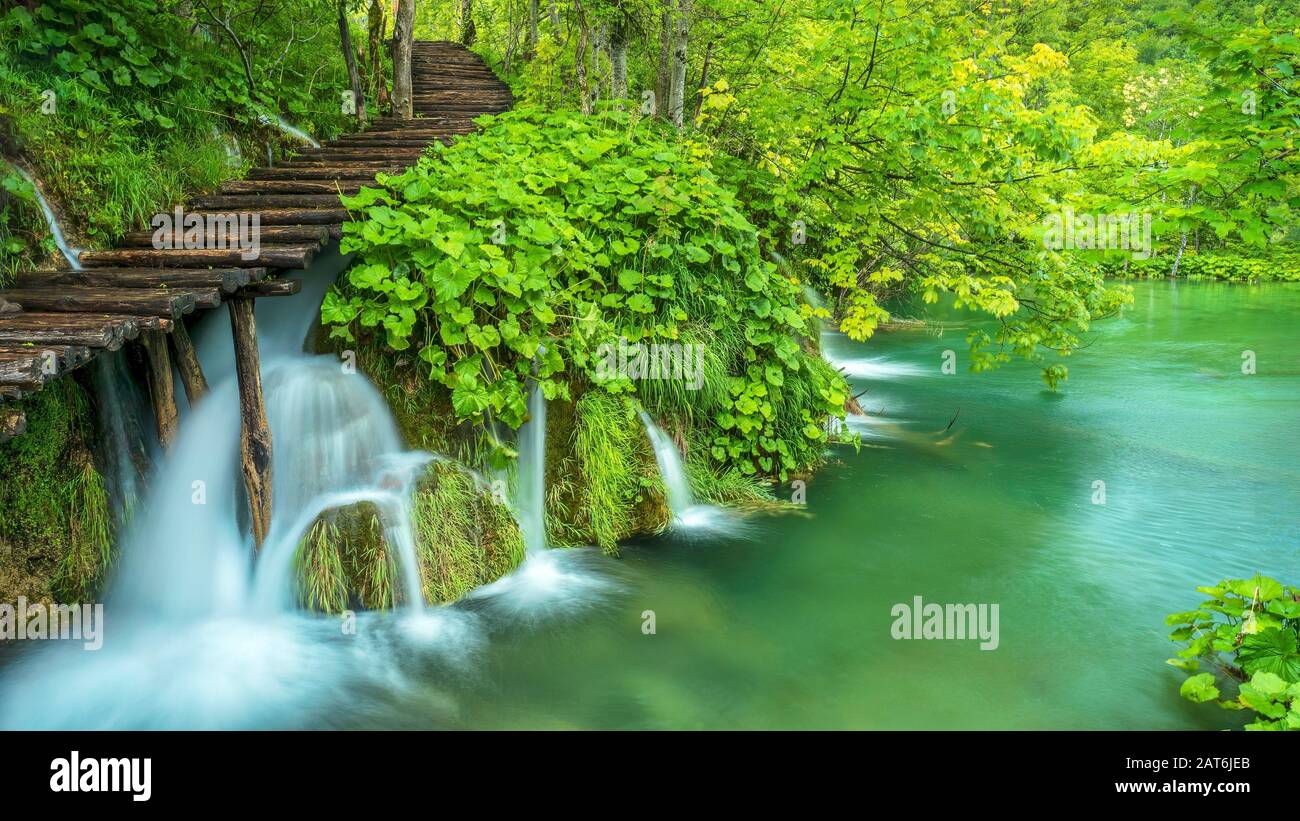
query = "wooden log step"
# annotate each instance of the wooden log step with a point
(268, 256)
(22, 367)
(255, 202)
(409, 158)
(289, 187)
(450, 65)
(278, 235)
(467, 96)
(374, 166)
(11, 393)
(168, 303)
(272, 287)
(39, 363)
(424, 121)
(464, 126)
(63, 357)
(226, 279)
(363, 175)
(362, 152)
(107, 331)
(301, 216)
(347, 143)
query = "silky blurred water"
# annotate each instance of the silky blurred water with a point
(968, 488)
(1201, 465)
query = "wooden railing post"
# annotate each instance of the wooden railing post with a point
(254, 432)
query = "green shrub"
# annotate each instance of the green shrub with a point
(525, 248)
(1248, 631)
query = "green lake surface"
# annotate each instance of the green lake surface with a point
(790, 627)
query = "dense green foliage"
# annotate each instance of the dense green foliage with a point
(121, 109)
(55, 518)
(890, 148)
(1248, 630)
(608, 228)
(1280, 265)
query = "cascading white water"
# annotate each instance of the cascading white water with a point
(530, 492)
(676, 485)
(201, 631)
(127, 445)
(334, 442)
(69, 253)
(297, 133)
(687, 513)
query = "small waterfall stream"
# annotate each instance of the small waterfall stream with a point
(530, 493)
(676, 485)
(69, 253)
(296, 133)
(687, 513)
(128, 445)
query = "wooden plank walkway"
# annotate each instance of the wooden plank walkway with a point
(57, 321)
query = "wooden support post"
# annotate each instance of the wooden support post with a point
(187, 362)
(162, 390)
(254, 432)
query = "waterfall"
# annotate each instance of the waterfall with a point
(334, 442)
(676, 484)
(687, 513)
(296, 133)
(530, 493)
(122, 413)
(69, 253)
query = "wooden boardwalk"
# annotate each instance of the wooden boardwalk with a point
(57, 321)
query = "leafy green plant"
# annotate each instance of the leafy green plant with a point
(1248, 631)
(606, 228)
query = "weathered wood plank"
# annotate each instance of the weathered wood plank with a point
(225, 279)
(264, 187)
(89, 330)
(274, 234)
(300, 216)
(19, 368)
(363, 175)
(271, 287)
(81, 299)
(266, 256)
(255, 202)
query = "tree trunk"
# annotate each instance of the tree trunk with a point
(350, 58)
(681, 32)
(580, 68)
(403, 34)
(254, 432)
(375, 25)
(703, 84)
(664, 77)
(1182, 241)
(618, 60)
(187, 363)
(162, 391)
(467, 30)
(530, 48)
